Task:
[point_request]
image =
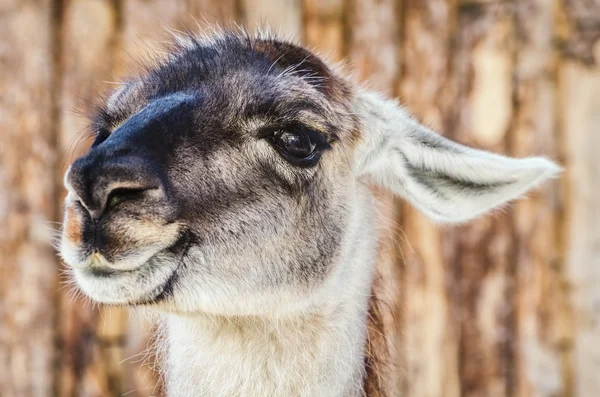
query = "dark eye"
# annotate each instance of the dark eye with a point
(294, 143)
(299, 145)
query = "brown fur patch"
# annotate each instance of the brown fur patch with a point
(381, 373)
(72, 225)
(289, 55)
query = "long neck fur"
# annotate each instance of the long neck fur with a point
(316, 353)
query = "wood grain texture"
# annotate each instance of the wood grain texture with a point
(580, 95)
(324, 27)
(27, 159)
(540, 305)
(483, 258)
(281, 16)
(430, 326)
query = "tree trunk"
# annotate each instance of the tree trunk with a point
(428, 289)
(27, 196)
(540, 301)
(578, 333)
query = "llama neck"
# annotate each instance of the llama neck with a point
(311, 355)
(319, 352)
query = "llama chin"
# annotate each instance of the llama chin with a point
(229, 190)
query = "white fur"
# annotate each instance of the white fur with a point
(315, 351)
(393, 142)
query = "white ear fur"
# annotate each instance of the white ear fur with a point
(447, 181)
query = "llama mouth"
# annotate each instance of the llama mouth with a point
(165, 291)
(150, 283)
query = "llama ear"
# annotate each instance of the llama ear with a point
(447, 181)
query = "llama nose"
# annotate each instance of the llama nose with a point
(101, 180)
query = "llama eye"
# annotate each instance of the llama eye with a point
(297, 143)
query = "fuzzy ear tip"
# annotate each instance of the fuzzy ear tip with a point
(545, 169)
(536, 171)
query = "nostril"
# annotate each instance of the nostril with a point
(101, 180)
(122, 194)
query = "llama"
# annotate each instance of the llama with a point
(228, 190)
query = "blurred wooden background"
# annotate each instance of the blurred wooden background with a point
(508, 305)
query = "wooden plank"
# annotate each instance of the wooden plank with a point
(144, 31)
(578, 30)
(541, 301)
(324, 27)
(483, 264)
(214, 12)
(373, 43)
(430, 326)
(88, 38)
(579, 99)
(281, 16)
(27, 161)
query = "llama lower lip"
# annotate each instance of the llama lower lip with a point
(148, 283)
(104, 271)
(101, 271)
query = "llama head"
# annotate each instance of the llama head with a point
(225, 179)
